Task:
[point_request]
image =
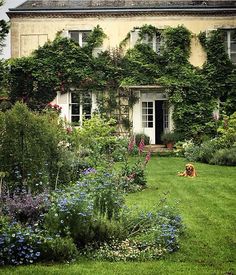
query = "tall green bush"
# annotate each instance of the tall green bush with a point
(97, 136)
(30, 148)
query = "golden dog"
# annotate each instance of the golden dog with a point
(189, 171)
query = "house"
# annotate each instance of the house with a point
(35, 22)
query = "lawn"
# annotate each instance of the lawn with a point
(207, 204)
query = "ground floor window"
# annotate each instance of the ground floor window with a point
(80, 107)
(147, 114)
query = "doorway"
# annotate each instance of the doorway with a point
(159, 128)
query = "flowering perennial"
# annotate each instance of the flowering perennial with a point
(141, 146)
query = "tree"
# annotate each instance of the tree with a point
(4, 29)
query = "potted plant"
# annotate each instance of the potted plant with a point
(168, 139)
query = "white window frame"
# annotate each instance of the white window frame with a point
(146, 121)
(80, 36)
(155, 42)
(155, 45)
(166, 117)
(228, 41)
(81, 113)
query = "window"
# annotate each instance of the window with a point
(230, 44)
(80, 107)
(147, 114)
(80, 37)
(155, 42)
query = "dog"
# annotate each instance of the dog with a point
(189, 171)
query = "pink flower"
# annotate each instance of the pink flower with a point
(131, 176)
(131, 144)
(69, 130)
(148, 157)
(141, 146)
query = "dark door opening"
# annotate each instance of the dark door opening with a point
(159, 120)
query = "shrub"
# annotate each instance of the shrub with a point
(58, 249)
(70, 214)
(87, 211)
(29, 148)
(150, 236)
(224, 157)
(18, 245)
(107, 197)
(26, 208)
(127, 250)
(207, 150)
(203, 152)
(97, 135)
(227, 130)
(133, 176)
(169, 137)
(119, 148)
(138, 138)
(69, 168)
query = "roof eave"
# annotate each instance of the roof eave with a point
(118, 10)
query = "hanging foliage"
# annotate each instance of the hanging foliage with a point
(62, 65)
(219, 70)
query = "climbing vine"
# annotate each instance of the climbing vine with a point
(219, 70)
(62, 64)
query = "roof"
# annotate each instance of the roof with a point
(119, 6)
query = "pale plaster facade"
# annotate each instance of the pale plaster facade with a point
(30, 32)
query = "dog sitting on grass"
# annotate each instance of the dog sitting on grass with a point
(189, 171)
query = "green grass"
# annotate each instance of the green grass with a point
(207, 205)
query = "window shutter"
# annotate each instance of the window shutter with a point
(134, 36)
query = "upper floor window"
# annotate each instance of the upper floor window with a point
(155, 41)
(230, 44)
(80, 37)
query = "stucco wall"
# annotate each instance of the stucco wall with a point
(28, 33)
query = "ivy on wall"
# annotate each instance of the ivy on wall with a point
(62, 64)
(218, 70)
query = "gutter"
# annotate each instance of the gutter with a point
(120, 10)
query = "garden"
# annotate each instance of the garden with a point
(84, 199)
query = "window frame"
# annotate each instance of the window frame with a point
(155, 45)
(147, 121)
(228, 43)
(81, 106)
(80, 34)
(155, 42)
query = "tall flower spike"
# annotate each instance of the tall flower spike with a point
(131, 144)
(148, 157)
(141, 146)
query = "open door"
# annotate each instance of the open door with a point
(159, 127)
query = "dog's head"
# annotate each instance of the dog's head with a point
(189, 169)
